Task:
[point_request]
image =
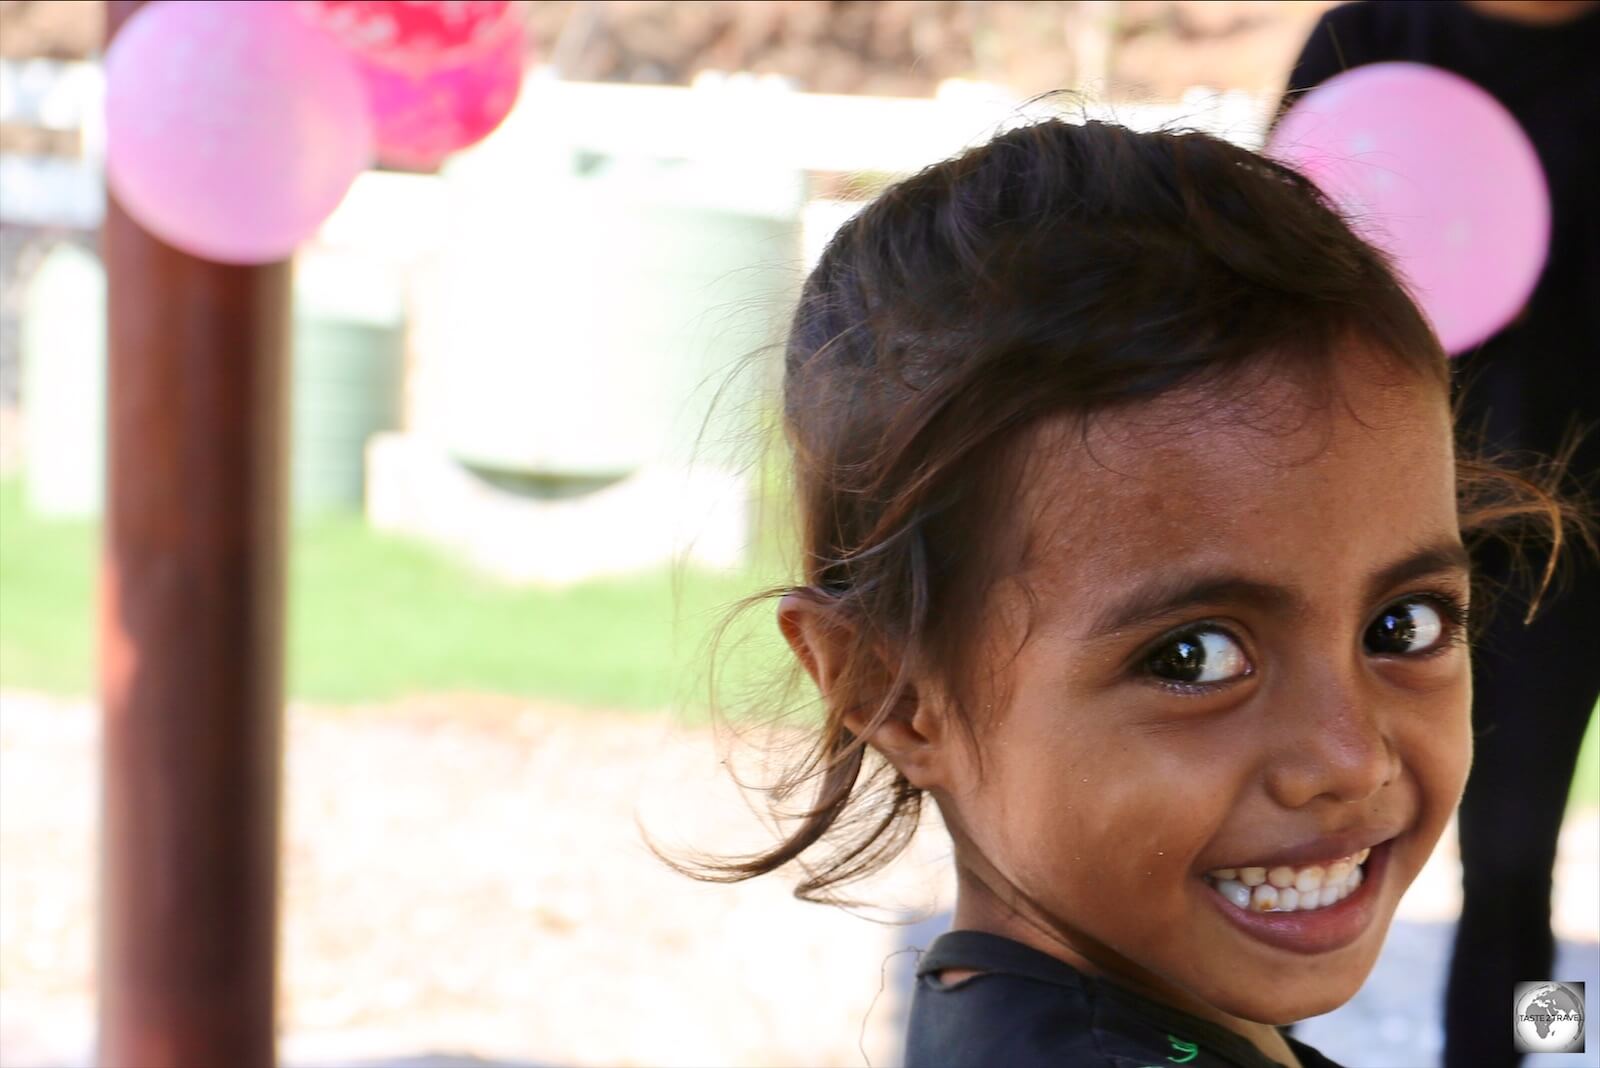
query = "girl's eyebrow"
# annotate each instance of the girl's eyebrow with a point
(1171, 592)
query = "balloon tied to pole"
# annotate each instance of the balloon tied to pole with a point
(235, 127)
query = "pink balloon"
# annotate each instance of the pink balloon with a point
(421, 119)
(1431, 168)
(415, 36)
(232, 128)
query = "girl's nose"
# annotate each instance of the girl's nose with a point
(1333, 740)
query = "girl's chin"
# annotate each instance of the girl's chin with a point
(1289, 1004)
(1301, 988)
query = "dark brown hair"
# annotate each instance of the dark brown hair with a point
(1059, 268)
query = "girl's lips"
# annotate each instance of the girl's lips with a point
(1317, 930)
(1318, 850)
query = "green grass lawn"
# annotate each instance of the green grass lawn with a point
(46, 598)
(373, 618)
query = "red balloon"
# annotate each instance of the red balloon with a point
(418, 120)
(415, 36)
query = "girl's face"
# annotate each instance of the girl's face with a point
(1244, 655)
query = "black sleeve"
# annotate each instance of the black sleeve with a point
(1344, 37)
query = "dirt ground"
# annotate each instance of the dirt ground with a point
(466, 876)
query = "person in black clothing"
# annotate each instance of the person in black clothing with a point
(1527, 388)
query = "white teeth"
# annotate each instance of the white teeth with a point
(1268, 896)
(1287, 889)
(1235, 891)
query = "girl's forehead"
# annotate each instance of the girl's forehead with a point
(1259, 416)
(1299, 405)
(1274, 472)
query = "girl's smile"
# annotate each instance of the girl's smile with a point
(1309, 909)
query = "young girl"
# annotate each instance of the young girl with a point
(1133, 536)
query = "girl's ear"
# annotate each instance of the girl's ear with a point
(910, 738)
(818, 639)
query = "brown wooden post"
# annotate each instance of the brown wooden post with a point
(191, 640)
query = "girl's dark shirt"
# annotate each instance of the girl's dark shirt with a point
(1530, 381)
(1031, 1010)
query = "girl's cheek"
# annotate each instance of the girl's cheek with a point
(1436, 746)
(1460, 755)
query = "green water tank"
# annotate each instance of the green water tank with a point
(347, 379)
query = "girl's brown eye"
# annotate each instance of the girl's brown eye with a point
(1406, 628)
(1204, 655)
